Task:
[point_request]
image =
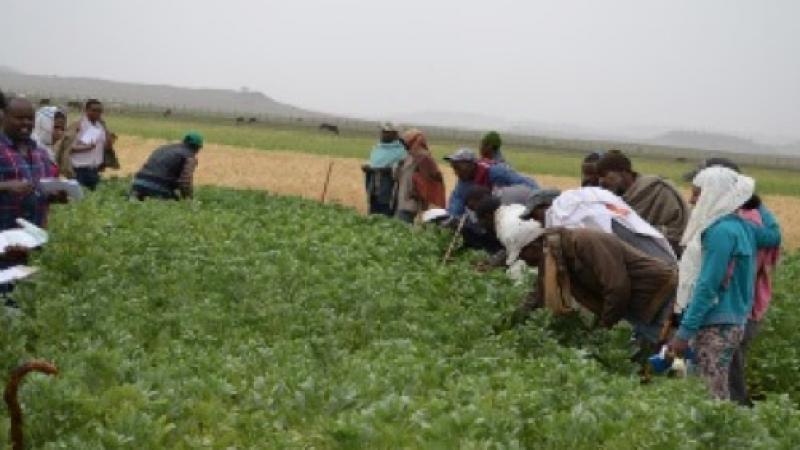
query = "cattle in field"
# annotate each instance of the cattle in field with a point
(330, 128)
(168, 112)
(239, 120)
(252, 120)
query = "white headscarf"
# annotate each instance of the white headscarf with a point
(595, 208)
(513, 232)
(43, 127)
(722, 192)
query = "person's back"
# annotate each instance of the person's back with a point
(165, 164)
(169, 168)
(615, 280)
(658, 202)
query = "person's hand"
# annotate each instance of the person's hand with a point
(483, 266)
(16, 254)
(678, 346)
(58, 197)
(17, 186)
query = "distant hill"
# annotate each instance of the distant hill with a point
(162, 96)
(722, 142)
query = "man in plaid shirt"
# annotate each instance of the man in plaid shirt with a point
(22, 165)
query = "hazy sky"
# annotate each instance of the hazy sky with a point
(727, 65)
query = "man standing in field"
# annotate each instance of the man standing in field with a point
(169, 171)
(87, 147)
(378, 173)
(655, 199)
(22, 165)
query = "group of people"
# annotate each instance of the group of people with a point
(38, 144)
(624, 246)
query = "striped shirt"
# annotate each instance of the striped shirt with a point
(18, 166)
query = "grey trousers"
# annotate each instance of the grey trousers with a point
(737, 377)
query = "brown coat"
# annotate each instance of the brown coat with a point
(613, 279)
(63, 150)
(659, 203)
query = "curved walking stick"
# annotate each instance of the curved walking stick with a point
(12, 388)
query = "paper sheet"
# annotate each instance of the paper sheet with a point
(16, 273)
(56, 185)
(28, 236)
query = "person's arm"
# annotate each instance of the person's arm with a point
(604, 256)
(186, 179)
(717, 250)
(16, 186)
(501, 175)
(456, 205)
(768, 235)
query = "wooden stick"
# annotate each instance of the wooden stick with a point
(456, 235)
(327, 180)
(14, 410)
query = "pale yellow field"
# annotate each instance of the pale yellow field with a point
(303, 175)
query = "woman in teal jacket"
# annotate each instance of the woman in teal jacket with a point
(716, 275)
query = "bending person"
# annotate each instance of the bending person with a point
(169, 171)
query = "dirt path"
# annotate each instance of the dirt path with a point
(299, 174)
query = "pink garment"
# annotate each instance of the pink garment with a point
(767, 259)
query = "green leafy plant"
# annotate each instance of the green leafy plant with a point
(246, 320)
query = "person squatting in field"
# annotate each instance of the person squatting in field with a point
(378, 173)
(483, 235)
(654, 198)
(419, 182)
(168, 173)
(602, 273)
(22, 164)
(722, 300)
(88, 147)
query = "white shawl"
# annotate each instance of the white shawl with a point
(513, 232)
(722, 192)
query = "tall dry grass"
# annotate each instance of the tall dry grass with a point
(299, 174)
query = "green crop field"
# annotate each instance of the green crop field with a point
(245, 320)
(533, 160)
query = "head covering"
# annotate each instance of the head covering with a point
(722, 192)
(492, 139)
(614, 161)
(711, 162)
(388, 127)
(513, 232)
(43, 127)
(462, 154)
(596, 208)
(539, 198)
(415, 139)
(193, 138)
(593, 157)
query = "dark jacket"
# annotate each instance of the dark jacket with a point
(165, 165)
(614, 280)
